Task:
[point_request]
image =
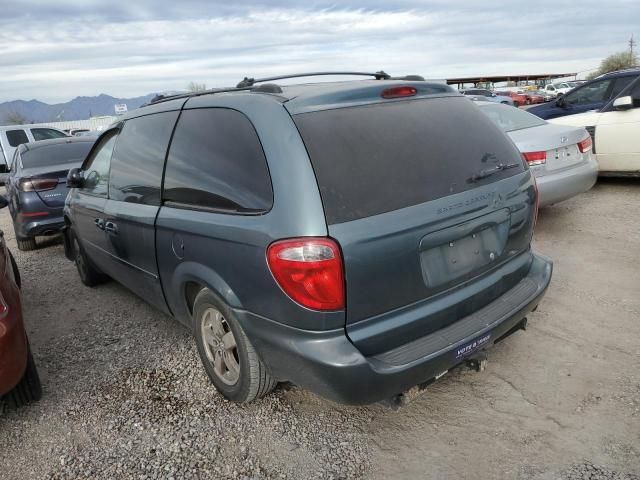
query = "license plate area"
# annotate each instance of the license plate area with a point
(563, 157)
(452, 253)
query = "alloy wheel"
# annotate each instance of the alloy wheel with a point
(220, 346)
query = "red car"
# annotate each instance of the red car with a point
(519, 99)
(19, 381)
(532, 98)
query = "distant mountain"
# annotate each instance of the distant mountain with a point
(80, 108)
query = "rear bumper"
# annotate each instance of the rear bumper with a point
(559, 186)
(328, 364)
(31, 227)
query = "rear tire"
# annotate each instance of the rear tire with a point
(16, 271)
(226, 353)
(28, 389)
(26, 244)
(89, 275)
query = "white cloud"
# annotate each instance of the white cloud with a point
(132, 51)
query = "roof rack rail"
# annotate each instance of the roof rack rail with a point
(163, 98)
(249, 82)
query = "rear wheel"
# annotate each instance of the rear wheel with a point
(28, 389)
(89, 275)
(26, 244)
(16, 271)
(228, 357)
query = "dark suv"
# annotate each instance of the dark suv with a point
(355, 238)
(592, 95)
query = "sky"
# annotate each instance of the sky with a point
(54, 51)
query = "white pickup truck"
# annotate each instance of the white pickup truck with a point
(560, 88)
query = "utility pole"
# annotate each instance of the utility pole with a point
(632, 43)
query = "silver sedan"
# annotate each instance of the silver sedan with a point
(559, 156)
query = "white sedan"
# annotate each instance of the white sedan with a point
(615, 130)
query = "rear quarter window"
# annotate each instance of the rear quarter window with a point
(216, 162)
(16, 137)
(377, 158)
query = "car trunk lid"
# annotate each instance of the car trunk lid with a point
(559, 142)
(52, 197)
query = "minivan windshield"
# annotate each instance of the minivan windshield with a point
(55, 154)
(509, 118)
(376, 158)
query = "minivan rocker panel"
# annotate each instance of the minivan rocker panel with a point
(357, 238)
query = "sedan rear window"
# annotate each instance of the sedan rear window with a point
(55, 154)
(377, 158)
(509, 118)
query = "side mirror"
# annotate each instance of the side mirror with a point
(623, 103)
(75, 178)
(3, 201)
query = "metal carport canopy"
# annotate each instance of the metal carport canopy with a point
(508, 78)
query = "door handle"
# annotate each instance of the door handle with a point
(99, 223)
(111, 228)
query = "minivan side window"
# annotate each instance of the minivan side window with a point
(216, 162)
(96, 170)
(17, 137)
(46, 134)
(138, 158)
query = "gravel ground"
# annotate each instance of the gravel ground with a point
(125, 396)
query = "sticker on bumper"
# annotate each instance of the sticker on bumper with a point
(473, 346)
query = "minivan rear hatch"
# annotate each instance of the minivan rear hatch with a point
(425, 197)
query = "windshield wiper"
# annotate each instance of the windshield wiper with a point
(490, 171)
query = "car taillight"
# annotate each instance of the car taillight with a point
(585, 145)
(398, 92)
(37, 184)
(535, 158)
(309, 270)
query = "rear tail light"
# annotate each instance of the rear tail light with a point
(398, 92)
(535, 158)
(585, 145)
(309, 270)
(37, 184)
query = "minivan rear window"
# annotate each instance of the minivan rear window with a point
(378, 158)
(55, 154)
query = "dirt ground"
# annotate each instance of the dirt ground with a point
(124, 394)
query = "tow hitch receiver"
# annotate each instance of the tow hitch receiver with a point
(478, 362)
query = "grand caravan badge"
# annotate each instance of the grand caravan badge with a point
(484, 198)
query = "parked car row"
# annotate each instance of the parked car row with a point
(609, 108)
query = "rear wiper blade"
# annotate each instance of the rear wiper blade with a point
(490, 171)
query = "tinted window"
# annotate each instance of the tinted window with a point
(41, 156)
(16, 137)
(377, 158)
(592, 93)
(216, 161)
(620, 84)
(96, 170)
(46, 134)
(138, 158)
